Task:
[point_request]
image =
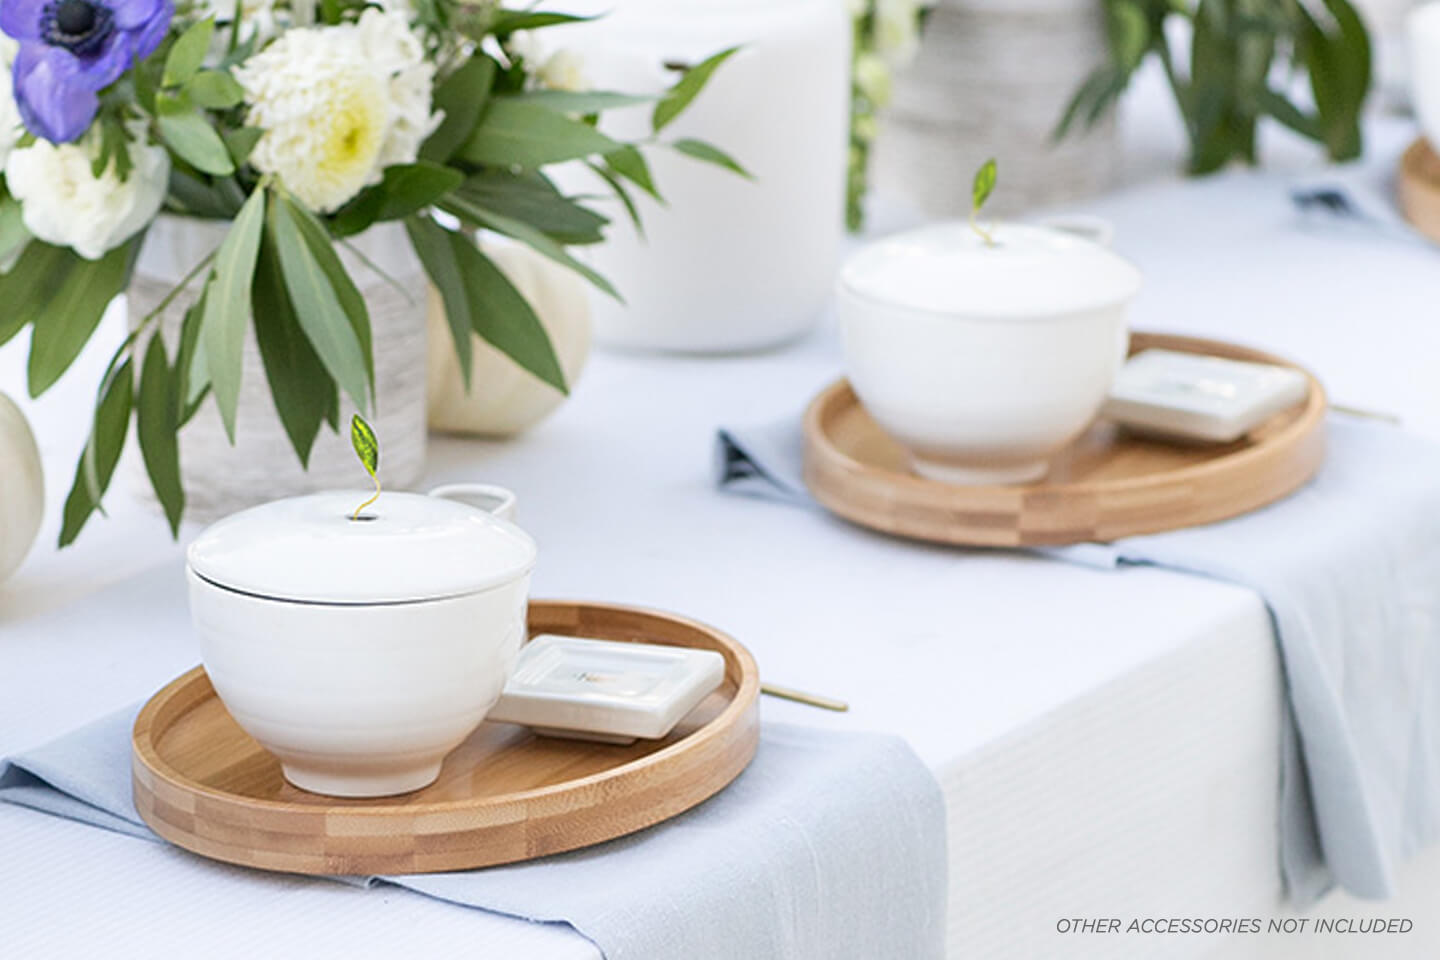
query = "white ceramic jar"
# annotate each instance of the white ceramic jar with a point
(361, 652)
(726, 263)
(984, 360)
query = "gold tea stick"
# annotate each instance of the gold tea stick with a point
(800, 696)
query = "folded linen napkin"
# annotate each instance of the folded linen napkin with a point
(1349, 567)
(829, 845)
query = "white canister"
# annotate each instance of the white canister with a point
(984, 358)
(727, 264)
(361, 651)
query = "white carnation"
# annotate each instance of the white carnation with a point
(63, 203)
(338, 105)
(872, 76)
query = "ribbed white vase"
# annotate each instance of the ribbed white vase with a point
(219, 478)
(992, 79)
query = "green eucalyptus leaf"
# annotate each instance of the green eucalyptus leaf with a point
(13, 240)
(618, 188)
(504, 318)
(533, 199)
(215, 90)
(227, 307)
(108, 429)
(686, 89)
(629, 162)
(581, 102)
(700, 150)
(22, 295)
(367, 448)
(983, 185)
(528, 235)
(462, 97)
(241, 143)
(322, 248)
(405, 189)
(514, 133)
(191, 369)
(156, 422)
(191, 136)
(302, 389)
(507, 22)
(72, 294)
(433, 245)
(187, 53)
(317, 305)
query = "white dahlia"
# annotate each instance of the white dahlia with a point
(338, 105)
(63, 203)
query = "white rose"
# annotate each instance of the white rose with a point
(338, 105)
(564, 70)
(897, 30)
(63, 203)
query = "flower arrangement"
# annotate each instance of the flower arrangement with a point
(1238, 49)
(887, 38)
(301, 123)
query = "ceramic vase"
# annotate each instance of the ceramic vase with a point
(992, 79)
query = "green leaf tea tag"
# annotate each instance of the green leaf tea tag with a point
(979, 193)
(367, 448)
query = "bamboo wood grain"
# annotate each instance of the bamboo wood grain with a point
(1419, 188)
(503, 795)
(1108, 484)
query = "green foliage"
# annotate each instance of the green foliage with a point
(687, 88)
(277, 269)
(1242, 53)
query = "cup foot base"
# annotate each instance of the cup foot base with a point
(1027, 471)
(332, 784)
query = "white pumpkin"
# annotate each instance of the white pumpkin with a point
(22, 487)
(505, 399)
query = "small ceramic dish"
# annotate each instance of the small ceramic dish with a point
(1193, 397)
(602, 690)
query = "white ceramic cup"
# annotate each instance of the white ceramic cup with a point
(1423, 36)
(984, 359)
(360, 653)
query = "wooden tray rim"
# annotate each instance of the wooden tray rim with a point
(747, 692)
(1314, 409)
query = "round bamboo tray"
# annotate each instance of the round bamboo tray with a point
(1108, 484)
(503, 795)
(1419, 188)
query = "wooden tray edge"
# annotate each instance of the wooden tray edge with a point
(720, 751)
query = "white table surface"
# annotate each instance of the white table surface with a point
(955, 650)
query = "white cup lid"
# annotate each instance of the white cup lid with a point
(1029, 272)
(309, 549)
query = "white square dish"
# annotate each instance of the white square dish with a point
(1195, 397)
(606, 690)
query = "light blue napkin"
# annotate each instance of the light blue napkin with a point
(1349, 567)
(829, 845)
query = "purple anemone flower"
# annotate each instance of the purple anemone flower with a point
(70, 50)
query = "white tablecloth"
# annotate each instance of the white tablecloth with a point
(1107, 741)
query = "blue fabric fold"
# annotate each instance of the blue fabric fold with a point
(829, 845)
(1349, 568)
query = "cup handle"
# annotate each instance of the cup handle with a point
(1086, 225)
(494, 500)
